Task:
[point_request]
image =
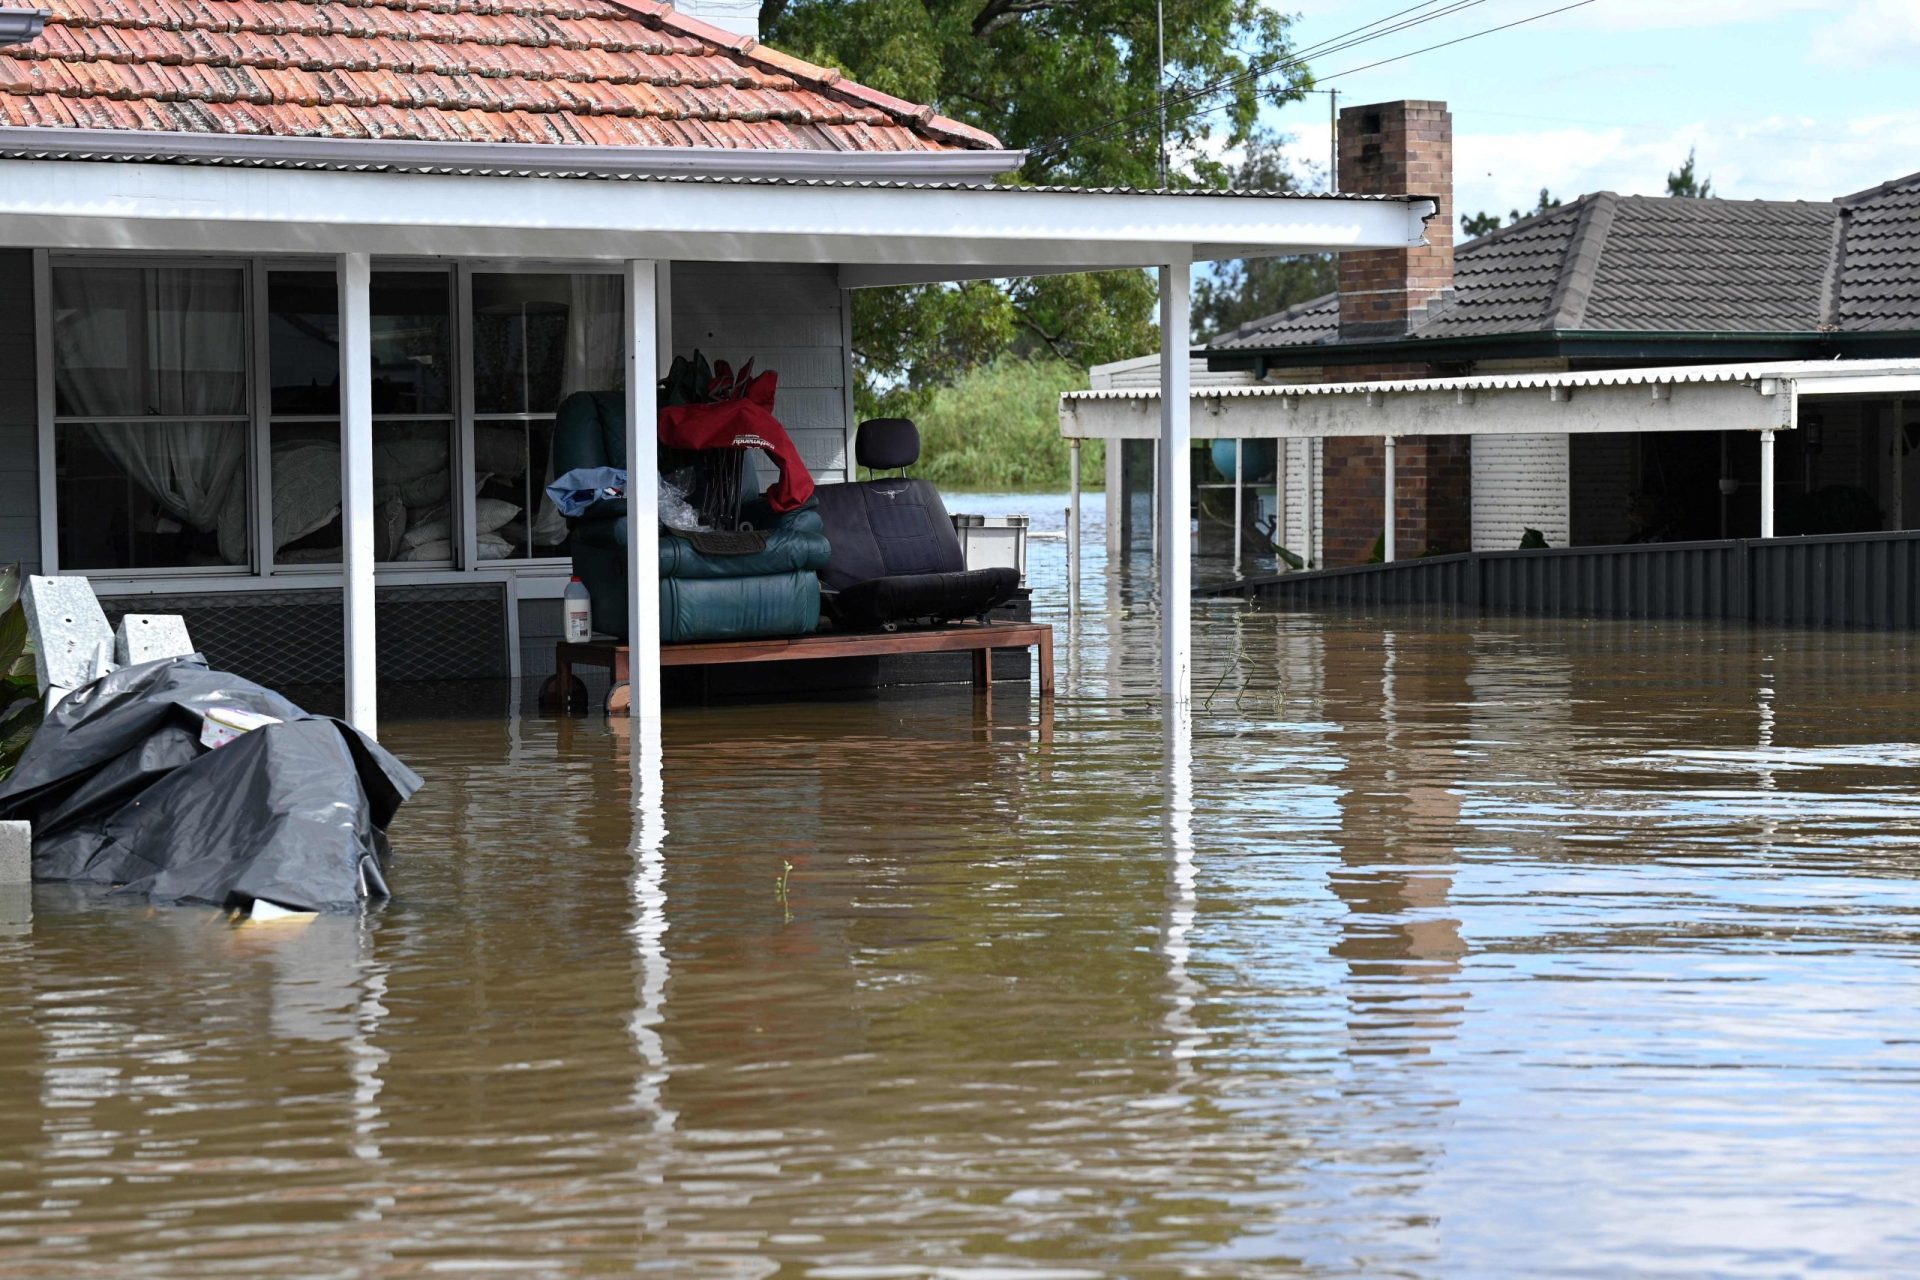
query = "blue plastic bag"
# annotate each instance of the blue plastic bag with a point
(580, 488)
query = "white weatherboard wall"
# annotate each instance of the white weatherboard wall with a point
(1519, 483)
(1302, 531)
(782, 317)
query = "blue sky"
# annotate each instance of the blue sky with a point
(1783, 99)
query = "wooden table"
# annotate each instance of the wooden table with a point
(978, 639)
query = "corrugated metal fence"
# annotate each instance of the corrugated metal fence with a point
(1839, 580)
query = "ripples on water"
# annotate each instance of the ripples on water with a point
(1466, 948)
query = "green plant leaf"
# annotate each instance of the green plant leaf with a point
(19, 684)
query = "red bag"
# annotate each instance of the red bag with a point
(745, 423)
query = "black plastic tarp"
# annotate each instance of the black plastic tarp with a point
(121, 792)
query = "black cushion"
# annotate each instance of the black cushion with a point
(886, 528)
(886, 444)
(924, 597)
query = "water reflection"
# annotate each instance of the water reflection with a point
(1424, 948)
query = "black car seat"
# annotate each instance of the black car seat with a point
(895, 557)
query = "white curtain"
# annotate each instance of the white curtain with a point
(596, 361)
(165, 342)
(596, 336)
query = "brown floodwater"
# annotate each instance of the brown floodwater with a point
(1447, 948)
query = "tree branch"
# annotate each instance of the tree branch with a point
(1055, 343)
(998, 13)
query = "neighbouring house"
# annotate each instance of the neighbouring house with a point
(289, 291)
(1602, 282)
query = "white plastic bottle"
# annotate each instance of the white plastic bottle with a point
(576, 608)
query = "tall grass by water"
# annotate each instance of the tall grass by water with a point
(997, 430)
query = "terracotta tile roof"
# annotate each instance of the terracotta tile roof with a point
(593, 72)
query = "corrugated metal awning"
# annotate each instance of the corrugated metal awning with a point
(1747, 396)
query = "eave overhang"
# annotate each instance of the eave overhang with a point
(953, 227)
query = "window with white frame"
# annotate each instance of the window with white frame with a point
(150, 429)
(171, 380)
(536, 338)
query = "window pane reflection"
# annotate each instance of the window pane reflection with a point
(303, 341)
(149, 341)
(151, 494)
(412, 342)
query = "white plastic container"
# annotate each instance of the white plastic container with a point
(576, 609)
(994, 542)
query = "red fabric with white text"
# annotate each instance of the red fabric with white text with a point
(746, 423)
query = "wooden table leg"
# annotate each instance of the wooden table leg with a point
(983, 671)
(1046, 665)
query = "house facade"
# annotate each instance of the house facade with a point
(289, 292)
(1602, 282)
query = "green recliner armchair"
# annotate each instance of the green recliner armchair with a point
(774, 591)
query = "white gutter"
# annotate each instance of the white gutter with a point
(34, 142)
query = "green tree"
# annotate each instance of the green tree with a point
(1248, 289)
(1684, 184)
(1073, 83)
(1478, 224)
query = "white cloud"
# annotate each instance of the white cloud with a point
(1872, 31)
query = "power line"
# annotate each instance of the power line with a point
(1241, 76)
(1505, 26)
(1414, 53)
(1334, 44)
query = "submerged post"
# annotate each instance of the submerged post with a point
(1766, 483)
(1073, 528)
(1239, 485)
(1386, 540)
(1174, 482)
(643, 489)
(354, 277)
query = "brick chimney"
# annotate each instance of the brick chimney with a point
(1395, 148)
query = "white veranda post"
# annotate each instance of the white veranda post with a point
(1174, 516)
(1073, 527)
(354, 276)
(643, 489)
(1766, 483)
(1388, 485)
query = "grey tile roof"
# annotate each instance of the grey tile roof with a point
(1880, 258)
(1607, 263)
(1316, 320)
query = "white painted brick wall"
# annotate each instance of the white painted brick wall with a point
(1519, 483)
(1300, 527)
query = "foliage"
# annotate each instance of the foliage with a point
(1073, 83)
(997, 429)
(1478, 224)
(19, 685)
(1684, 184)
(1250, 289)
